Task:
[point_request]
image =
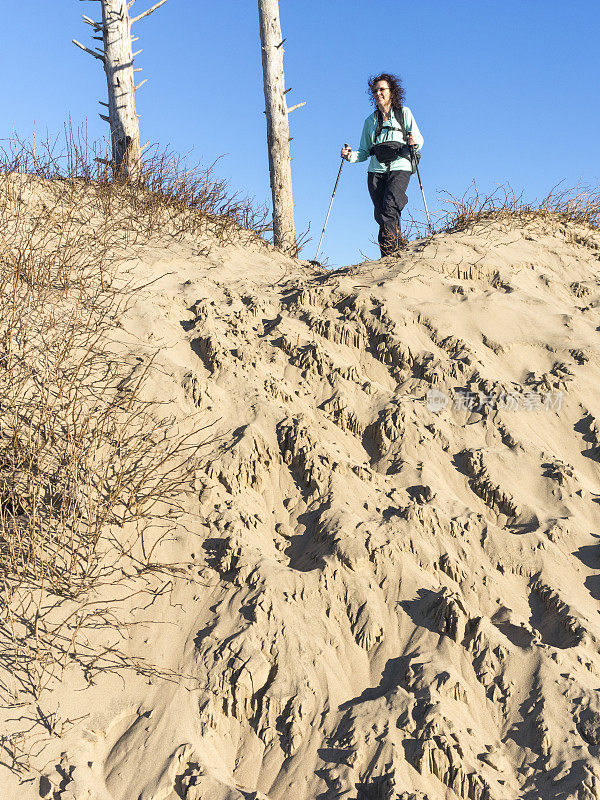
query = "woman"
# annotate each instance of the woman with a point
(389, 171)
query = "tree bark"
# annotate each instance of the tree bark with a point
(118, 65)
(278, 131)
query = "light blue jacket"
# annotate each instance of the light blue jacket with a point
(391, 132)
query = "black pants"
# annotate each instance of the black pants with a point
(388, 193)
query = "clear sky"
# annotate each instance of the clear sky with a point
(504, 91)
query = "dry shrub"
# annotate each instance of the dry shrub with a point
(81, 452)
(579, 205)
(79, 448)
(170, 198)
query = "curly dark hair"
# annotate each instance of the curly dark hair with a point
(395, 84)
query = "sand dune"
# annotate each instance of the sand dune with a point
(387, 582)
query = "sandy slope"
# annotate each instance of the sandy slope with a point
(389, 581)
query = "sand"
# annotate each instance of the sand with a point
(384, 579)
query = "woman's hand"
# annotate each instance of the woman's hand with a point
(410, 139)
(346, 151)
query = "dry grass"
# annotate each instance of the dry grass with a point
(79, 449)
(170, 199)
(579, 205)
(82, 454)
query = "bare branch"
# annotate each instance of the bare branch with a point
(144, 146)
(140, 85)
(104, 117)
(149, 11)
(102, 103)
(293, 108)
(87, 50)
(137, 52)
(129, 4)
(89, 21)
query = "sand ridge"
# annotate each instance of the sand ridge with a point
(388, 580)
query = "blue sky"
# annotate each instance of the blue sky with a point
(504, 93)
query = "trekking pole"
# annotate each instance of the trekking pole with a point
(329, 210)
(414, 161)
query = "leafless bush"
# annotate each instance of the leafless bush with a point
(169, 199)
(79, 448)
(87, 465)
(579, 205)
(82, 453)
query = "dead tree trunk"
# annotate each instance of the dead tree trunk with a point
(278, 130)
(117, 57)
